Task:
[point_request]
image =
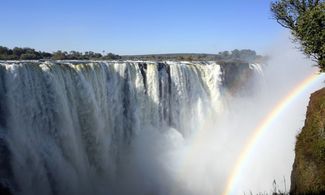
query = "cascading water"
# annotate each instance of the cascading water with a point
(69, 127)
(145, 128)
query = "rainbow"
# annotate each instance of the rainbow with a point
(261, 128)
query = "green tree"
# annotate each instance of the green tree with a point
(306, 20)
(59, 55)
(111, 56)
(28, 56)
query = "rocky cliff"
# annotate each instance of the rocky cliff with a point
(308, 174)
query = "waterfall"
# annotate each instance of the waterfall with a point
(65, 127)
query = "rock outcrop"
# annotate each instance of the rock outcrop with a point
(308, 174)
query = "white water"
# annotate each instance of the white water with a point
(71, 129)
(141, 127)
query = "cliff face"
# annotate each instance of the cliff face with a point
(237, 78)
(308, 174)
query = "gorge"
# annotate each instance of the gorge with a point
(124, 127)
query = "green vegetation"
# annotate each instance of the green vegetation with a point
(244, 55)
(235, 56)
(31, 54)
(306, 20)
(240, 56)
(308, 175)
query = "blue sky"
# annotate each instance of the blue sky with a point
(138, 26)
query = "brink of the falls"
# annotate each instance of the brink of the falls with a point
(70, 127)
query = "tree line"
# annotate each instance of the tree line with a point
(18, 53)
(236, 55)
(244, 55)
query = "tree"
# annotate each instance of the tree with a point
(28, 56)
(306, 20)
(111, 56)
(59, 55)
(26, 53)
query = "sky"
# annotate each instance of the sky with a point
(138, 26)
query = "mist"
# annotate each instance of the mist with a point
(167, 162)
(144, 128)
